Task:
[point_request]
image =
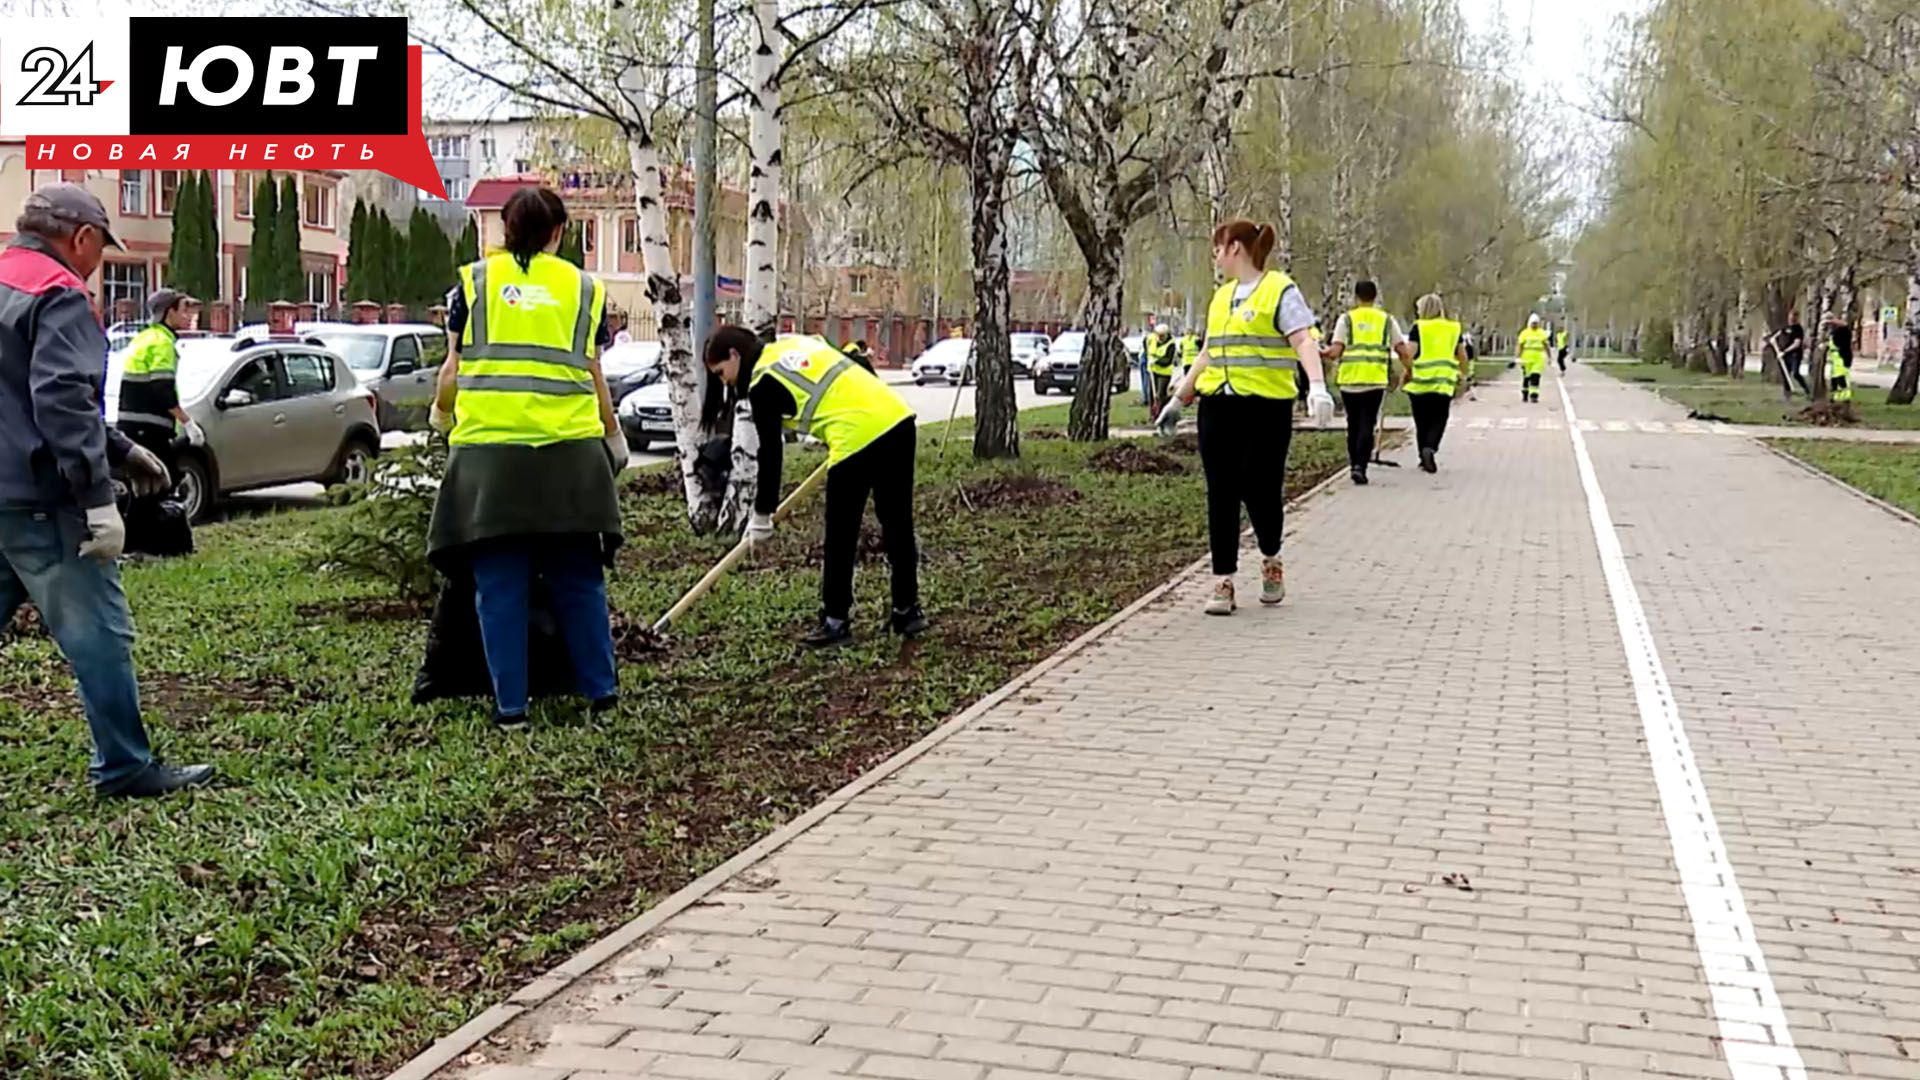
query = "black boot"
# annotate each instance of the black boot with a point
(158, 779)
(911, 622)
(1359, 473)
(1427, 462)
(829, 632)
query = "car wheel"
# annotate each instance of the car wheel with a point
(194, 488)
(638, 443)
(1040, 388)
(918, 381)
(355, 464)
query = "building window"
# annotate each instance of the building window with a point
(857, 284)
(316, 203)
(629, 235)
(320, 287)
(457, 189)
(589, 233)
(133, 192)
(486, 147)
(240, 271)
(522, 166)
(122, 281)
(243, 185)
(169, 189)
(447, 146)
(859, 240)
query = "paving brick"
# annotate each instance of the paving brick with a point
(1120, 1068)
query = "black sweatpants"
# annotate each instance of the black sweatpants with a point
(1790, 369)
(1530, 386)
(1430, 413)
(1243, 451)
(1363, 411)
(884, 470)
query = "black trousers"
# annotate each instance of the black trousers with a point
(1530, 386)
(1243, 451)
(1430, 413)
(884, 470)
(1161, 384)
(1563, 359)
(1363, 412)
(1790, 364)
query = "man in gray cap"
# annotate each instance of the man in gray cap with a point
(60, 531)
(150, 411)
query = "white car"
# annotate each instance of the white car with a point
(276, 409)
(1027, 350)
(950, 361)
(646, 416)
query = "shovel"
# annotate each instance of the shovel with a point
(732, 558)
(1379, 433)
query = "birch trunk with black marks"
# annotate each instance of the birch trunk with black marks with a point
(1907, 383)
(990, 142)
(1773, 308)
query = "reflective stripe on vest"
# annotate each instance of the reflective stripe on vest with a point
(145, 380)
(1838, 368)
(1435, 370)
(1246, 353)
(836, 400)
(526, 369)
(1363, 365)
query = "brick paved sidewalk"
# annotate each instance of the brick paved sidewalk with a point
(1403, 826)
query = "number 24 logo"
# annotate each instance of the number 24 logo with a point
(61, 82)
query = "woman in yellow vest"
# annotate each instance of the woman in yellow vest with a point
(1260, 349)
(803, 384)
(1533, 359)
(529, 491)
(1438, 369)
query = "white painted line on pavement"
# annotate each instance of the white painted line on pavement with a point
(1723, 934)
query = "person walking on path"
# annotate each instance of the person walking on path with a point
(1365, 340)
(857, 352)
(1533, 359)
(1436, 372)
(1160, 351)
(529, 491)
(1259, 351)
(1839, 359)
(1560, 346)
(1790, 344)
(803, 385)
(60, 531)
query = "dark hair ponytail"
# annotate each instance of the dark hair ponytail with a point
(1257, 239)
(531, 215)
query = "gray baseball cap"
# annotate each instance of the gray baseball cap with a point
(165, 300)
(71, 202)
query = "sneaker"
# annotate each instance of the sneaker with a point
(911, 622)
(1427, 462)
(508, 721)
(829, 632)
(1359, 476)
(1273, 580)
(159, 779)
(1222, 601)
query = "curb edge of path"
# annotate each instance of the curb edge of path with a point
(1818, 472)
(544, 987)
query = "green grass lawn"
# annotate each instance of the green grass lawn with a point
(372, 874)
(1890, 472)
(1753, 400)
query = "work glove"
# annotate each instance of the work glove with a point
(1169, 418)
(440, 419)
(617, 452)
(196, 435)
(1320, 405)
(146, 473)
(106, 534)
(759, 528)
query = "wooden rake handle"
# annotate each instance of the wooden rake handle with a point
(732, 558)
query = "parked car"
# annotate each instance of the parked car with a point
(1060, 368)
(1028, 348)
(950, 361)
(399, 362)
(277, 409)
(629, 367)
(646, 416)
(121, 334)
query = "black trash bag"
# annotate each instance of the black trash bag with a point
(455, 664)
(156, 525)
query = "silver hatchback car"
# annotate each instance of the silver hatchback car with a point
(277, 409)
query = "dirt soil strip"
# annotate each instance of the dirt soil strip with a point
(451, 1047)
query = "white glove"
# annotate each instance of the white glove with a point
(440, 419)
(1320, 405)
(618, 453)
(146, 473)
(759, 527)
(106, 534)
(196, 435)
(1169, 418)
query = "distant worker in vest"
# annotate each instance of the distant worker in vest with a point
(1161, 356)
(857, 352)
(530, 486)
(1560, 345)
(803, 384)
(1839, 359)
(1533, 358)
(1435, 375)
(1260, 357)
(1365, 340)
(150, 412)
(1189, 350)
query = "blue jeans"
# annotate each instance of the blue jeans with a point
(85, 610)
(503, 574)
(1146, 384)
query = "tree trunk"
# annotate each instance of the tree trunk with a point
(1819, 299)
(1093, 397)
(1737, 336)
(1716, 342)
(1907, 383)
(1774, 311)
(996, 424)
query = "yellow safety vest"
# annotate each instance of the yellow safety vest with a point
(1838, 368)
(1160, 356)
(1561, 340)
(1363, 366)
(1533, 350)
(1189, 350)
(838, 402)
(526, 375)
(1246, 353)
(152, 363)
(1436, 370)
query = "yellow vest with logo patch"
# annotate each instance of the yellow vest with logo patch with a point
(526, 375)
(837, 401)
(1246, 353)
